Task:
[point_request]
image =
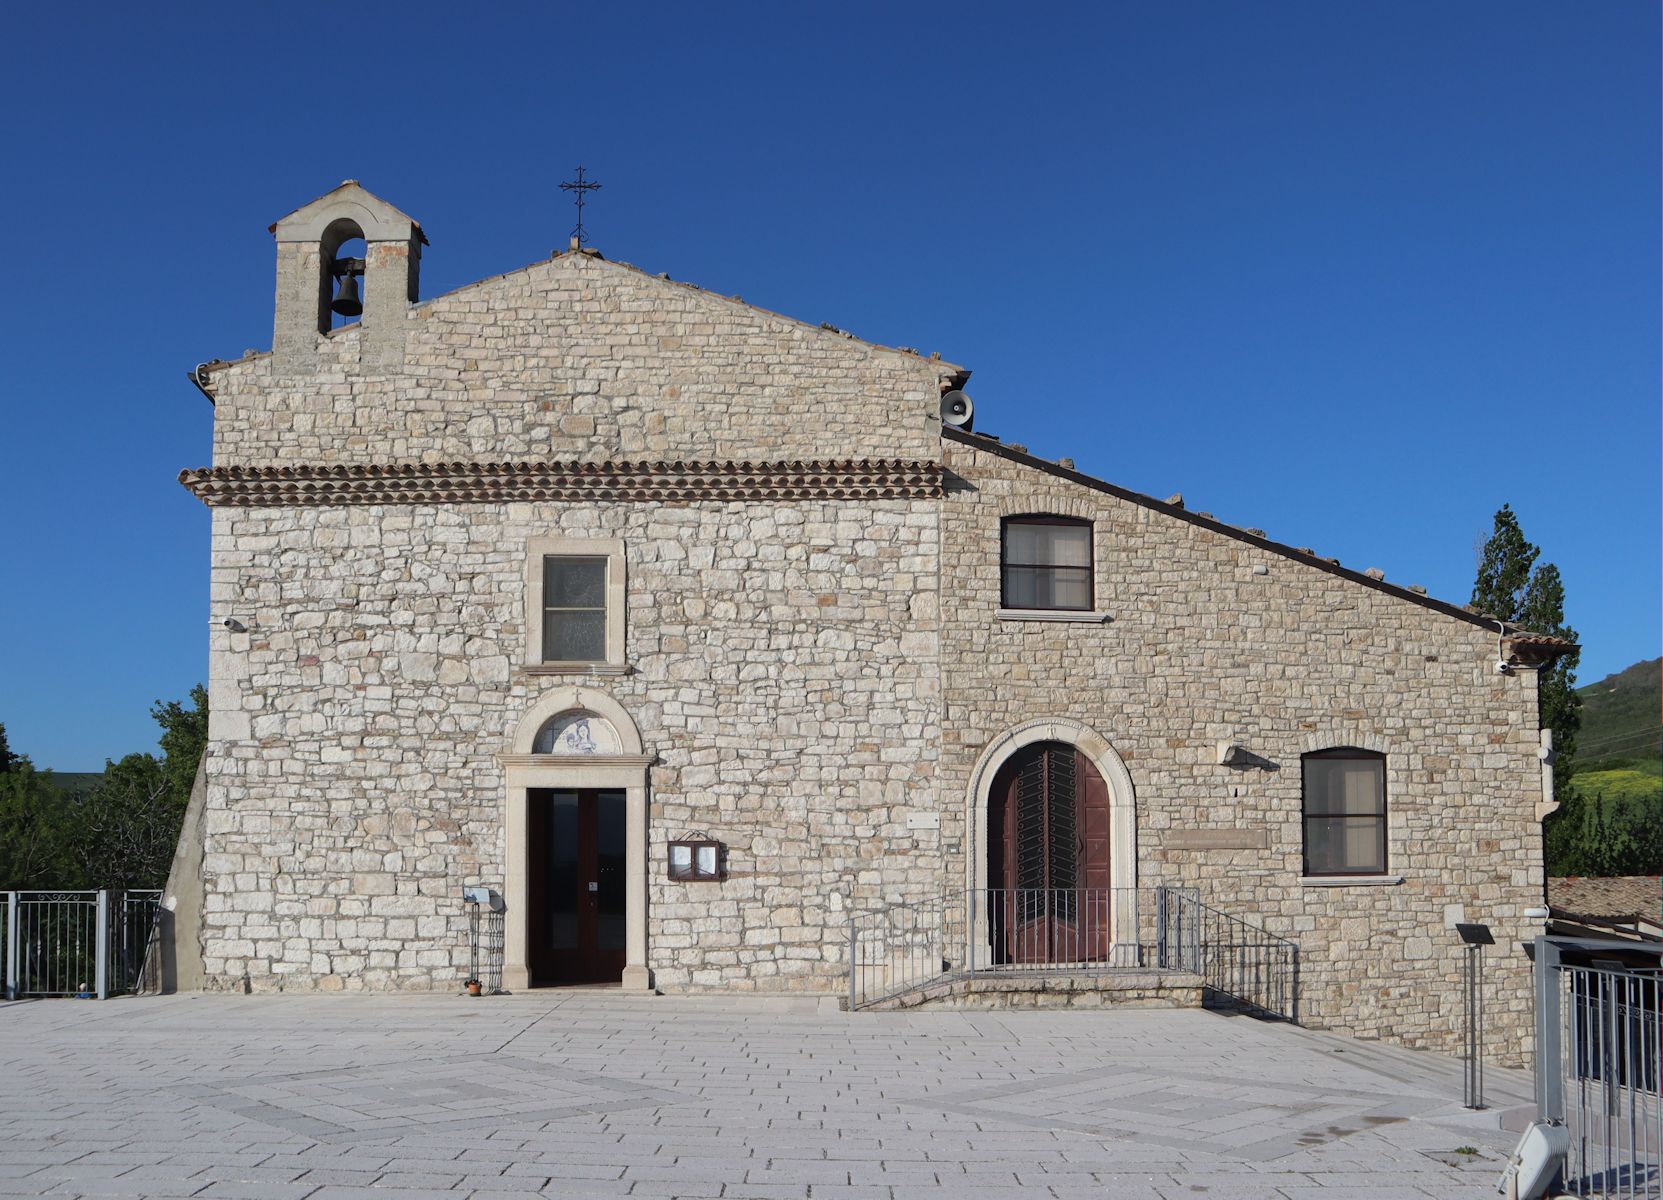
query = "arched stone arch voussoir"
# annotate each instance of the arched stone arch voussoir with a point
(1336, 737)
(1052, 505)
(576, 697)
(1096, 747)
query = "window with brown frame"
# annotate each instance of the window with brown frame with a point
(1046, 563)
(696, 860)
(1345, 812)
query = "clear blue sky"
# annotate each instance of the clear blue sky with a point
(1353, 273)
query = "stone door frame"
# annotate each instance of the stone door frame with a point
(1123, 822)
(523, 771)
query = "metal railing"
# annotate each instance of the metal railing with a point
(912, 944)
(135, 949)
(1241, 964)
(905, 945)
(81, 943)
(1055, 929)
(1600, 1030)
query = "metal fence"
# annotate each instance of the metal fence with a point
(84, 943)
(1600, 1033)
(913, 943)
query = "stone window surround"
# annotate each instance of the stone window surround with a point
(523, 770)
(1053, 506)
(1368, 750)
(612, 549)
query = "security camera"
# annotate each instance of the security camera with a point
(234, 625)
(1502, 667)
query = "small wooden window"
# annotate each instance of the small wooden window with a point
(1345, 812)
(1046, 563)
(574, 608)
(696, 861)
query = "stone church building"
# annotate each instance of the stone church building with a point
(703, 636)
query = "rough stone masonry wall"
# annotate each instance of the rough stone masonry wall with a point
(1197, 650)
(782, 671)
(579, 358)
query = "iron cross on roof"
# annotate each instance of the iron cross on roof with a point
(580, 187)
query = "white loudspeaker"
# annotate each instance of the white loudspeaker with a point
(957, 411)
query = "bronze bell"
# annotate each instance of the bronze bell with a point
(346, 301)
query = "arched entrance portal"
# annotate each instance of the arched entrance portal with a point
(1049, 869)
(575, 831)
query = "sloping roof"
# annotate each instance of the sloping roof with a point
(367, 197)
(1540, 645)
(959, 374)
(1624, 896)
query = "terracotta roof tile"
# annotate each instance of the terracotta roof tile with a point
(485, 483)
(1623, 896)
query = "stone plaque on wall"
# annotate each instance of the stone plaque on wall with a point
(1217, 839)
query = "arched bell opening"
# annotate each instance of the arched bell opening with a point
(343, 260)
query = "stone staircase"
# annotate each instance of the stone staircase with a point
(1041, 989)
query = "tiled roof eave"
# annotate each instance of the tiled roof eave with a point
(491, 483)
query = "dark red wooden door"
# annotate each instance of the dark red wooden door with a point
(575, 915)
(1048, 873)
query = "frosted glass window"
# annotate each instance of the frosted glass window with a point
(574, 609)
(1345, 812)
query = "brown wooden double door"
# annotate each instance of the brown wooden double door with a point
(575, 915)
(1050, 897)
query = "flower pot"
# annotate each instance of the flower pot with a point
(474, 987)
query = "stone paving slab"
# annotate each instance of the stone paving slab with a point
(586, 1094)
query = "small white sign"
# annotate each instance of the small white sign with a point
(923, 820)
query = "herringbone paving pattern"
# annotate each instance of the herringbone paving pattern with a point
(590, 1094)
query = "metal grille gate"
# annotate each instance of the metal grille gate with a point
(1599, 1025)
(79, 943)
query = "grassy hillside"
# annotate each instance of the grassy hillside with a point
(1610, 820)
(1621, 725)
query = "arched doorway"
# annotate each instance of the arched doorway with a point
(575, 826)
(1049, 867)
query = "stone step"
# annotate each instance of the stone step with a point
(1053, 989)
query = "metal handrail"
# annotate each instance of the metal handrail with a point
(1241, 964)
(910, 944)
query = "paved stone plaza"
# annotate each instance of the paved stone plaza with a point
(593, 1094)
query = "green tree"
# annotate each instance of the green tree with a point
(125, 828)
(1512, 587)
(122, 831)
(184, 737)
(34, 849)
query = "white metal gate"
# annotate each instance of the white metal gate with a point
(78, 943)
(1599, 1025)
